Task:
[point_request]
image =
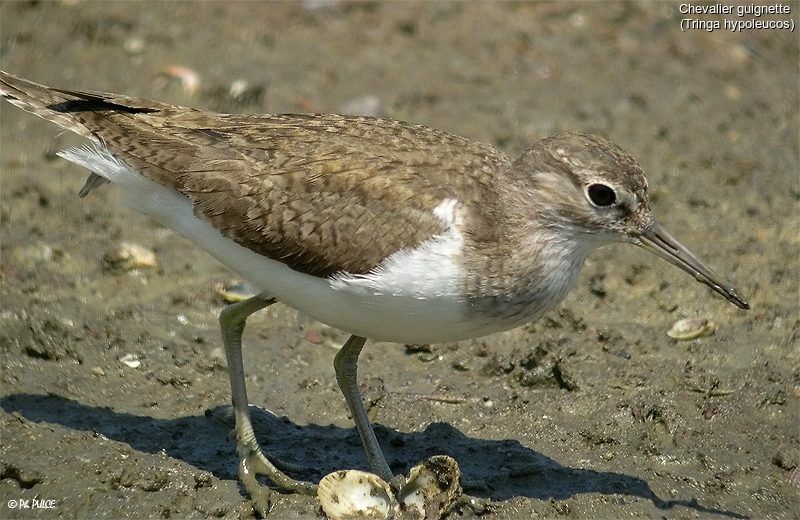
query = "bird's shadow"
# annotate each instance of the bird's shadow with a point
(508, 468)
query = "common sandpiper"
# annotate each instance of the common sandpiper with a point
(383, 229)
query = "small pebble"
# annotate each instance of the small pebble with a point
(245, 93)
(313, 336)
(36, 253)
(739, 53)
(577, 20)
(98, 371)
(67, 322)
(203, 480)
(313, 5)
(461, 366)
(134, 45)
(691, 328)
(363, 106)
(217, 354)
(732, 92)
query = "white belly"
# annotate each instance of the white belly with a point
(414, 299)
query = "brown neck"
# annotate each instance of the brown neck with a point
(517, 254)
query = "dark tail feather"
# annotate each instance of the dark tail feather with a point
(41, 101)
(56, 106)
(74, 110)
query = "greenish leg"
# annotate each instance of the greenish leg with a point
(346, 365)
(252, 461)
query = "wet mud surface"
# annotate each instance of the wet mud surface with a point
(114, 382)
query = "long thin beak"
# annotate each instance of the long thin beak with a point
(658, 241)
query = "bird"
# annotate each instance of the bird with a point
(383, 229)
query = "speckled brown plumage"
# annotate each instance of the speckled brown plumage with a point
(321, 193)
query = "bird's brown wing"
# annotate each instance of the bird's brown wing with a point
(321, 193)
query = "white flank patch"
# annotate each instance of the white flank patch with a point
(431, 270)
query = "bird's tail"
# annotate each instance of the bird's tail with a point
(48, 103)
(67, 109)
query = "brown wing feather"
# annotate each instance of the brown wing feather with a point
(322, 193)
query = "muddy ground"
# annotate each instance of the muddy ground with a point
(590, 412)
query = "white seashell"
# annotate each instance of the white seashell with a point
(432, 487)
(691, 328)
(353, 494)
(131, 360)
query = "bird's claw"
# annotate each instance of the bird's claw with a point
(252, 462)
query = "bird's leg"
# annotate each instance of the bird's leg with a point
(252, 461)
(346, 365)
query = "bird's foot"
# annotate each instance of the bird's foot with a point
(253, 462)
(286, 467)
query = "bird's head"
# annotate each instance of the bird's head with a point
(589, 189)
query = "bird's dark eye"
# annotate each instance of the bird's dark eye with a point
(601, 195)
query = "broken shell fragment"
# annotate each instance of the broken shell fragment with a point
(188, 78)
(234, 291)
(432, 488)
(129, 256)
(353, 494)
(691, 328)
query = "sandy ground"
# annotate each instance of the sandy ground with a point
(590, 412)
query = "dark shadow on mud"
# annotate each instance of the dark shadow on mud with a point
(508, 468)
